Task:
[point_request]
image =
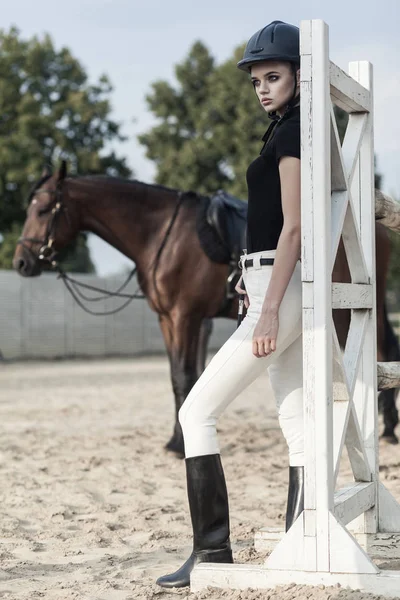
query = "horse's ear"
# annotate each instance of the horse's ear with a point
(62, 172)
(46, 171)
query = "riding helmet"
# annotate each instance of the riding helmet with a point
(276, 41)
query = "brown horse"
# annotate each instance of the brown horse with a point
(181, 284)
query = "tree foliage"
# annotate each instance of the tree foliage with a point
(48, 110)
(209, 126)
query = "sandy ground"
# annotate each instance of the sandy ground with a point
(93, 508)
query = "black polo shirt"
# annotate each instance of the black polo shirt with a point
(265, 218)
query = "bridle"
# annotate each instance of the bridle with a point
(47, 251)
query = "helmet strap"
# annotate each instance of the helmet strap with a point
(295, 98)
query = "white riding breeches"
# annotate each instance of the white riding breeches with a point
(234, 367)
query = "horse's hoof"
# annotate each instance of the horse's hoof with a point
(176, 446)
(390, 438)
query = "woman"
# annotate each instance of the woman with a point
(270, 335)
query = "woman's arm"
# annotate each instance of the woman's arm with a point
(287, 254)
(289, 244)
(240, 289)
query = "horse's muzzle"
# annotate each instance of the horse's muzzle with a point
(26, 267)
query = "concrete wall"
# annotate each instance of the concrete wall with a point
(39, 319)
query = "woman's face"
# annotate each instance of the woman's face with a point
(274, 84)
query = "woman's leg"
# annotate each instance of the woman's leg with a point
(286, 377)
(208, 504)
(232, 369)
(208, 498)
(235, 367)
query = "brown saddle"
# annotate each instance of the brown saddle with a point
(221, 226)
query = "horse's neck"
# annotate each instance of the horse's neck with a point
(132, 220)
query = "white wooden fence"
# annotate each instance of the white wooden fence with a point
(340, 388)
(39, 319)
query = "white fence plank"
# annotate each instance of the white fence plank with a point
(351, 295)
(339, 205)
(354, 345)
(352, 142)
(356, 449)
(241, 577)
(353, 500)
(365, 400)
(352, 244)
(347, 93)
(319, 203)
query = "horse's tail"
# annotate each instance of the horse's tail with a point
(392, 346)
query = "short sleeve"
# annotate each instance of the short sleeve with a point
(287, 141)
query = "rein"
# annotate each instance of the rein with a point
(73, 286)
(47, 254)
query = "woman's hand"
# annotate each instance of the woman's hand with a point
(265, 333)
(242, 291)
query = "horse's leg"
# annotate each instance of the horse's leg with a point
(175, 444)
(387, 406)
(387, 342)
(182, 336)
(204, 338)
(387, 398)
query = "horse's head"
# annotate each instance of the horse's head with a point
(51, 223)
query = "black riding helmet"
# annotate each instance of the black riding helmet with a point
(276, 41)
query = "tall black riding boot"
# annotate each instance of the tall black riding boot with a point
(208, 502)
(295, 502)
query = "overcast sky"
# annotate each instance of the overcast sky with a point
(136, 42)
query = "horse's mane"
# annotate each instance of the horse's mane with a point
(36, 186)
(97, 178)
(124, 181)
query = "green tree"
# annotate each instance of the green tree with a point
(48, 110)
(209, 126)
(7, 246)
